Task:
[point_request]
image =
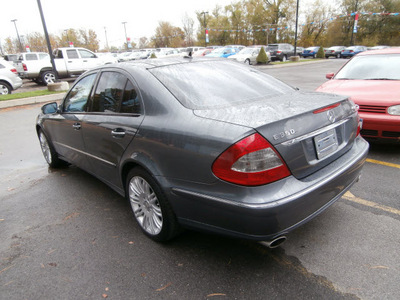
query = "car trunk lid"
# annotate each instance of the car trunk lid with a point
(308, 129)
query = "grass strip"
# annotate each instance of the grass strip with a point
(27, 95)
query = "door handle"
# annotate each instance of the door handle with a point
(118, 133)
(77, 126)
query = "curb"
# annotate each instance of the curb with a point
(31, 100)
(272, 66)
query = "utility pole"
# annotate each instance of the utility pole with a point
(295, 34)
(19, 39)
(105, 31)
(354, 25)
(126, 37)
(205, 27)
(53, 64)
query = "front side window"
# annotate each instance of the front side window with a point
(86, 54)
(76, 100)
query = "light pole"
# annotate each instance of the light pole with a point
(19, 40)
(126, 37)
(46, 34)
(205, 27)
(354, 25)
(295, 34)
(105, 31)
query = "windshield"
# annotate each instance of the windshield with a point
(383, 66)
(210, 84)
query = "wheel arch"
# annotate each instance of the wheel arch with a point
(6, 82)
(138, 160)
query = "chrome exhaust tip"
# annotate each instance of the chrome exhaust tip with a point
(274, 243)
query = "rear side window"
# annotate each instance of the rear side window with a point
(115, 93)
(209, 84)
(31, 57)
(109, 92)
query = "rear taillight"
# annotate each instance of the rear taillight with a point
(251, 161)
(25, 67)
(278, 52)
(14, 70)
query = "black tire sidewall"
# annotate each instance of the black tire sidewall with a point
(9, 88)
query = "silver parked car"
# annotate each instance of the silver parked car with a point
(249, 55)
(9, 79)
(230, 150)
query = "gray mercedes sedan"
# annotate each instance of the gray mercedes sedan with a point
(207, 144)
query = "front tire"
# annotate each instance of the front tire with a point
(150, 206)
(247, 61)
(50, 155)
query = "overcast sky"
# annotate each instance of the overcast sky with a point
(142, 16)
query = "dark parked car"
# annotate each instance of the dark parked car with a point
(335, 51)
(280, 51)
(233, 152)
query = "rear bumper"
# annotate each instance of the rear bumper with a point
(265, 212)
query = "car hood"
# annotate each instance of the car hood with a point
(365, 92)
(294, 110)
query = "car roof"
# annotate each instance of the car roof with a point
(395, 50)
(162, 62)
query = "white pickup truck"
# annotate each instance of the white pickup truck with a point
(69, 62)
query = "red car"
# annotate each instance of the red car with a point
(372, 80)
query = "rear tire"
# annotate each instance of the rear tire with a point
(5, 88)
(48, 77)
(247, 62)
(150, 206)
(284, 58)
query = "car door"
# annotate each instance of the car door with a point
(73, 62)
(65, 128)
(114, 117)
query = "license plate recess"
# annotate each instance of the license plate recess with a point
(326, 143)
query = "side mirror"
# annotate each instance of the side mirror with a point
(329, 75)
(50, 108)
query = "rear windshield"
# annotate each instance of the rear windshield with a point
(372, 67)
(210, 84)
